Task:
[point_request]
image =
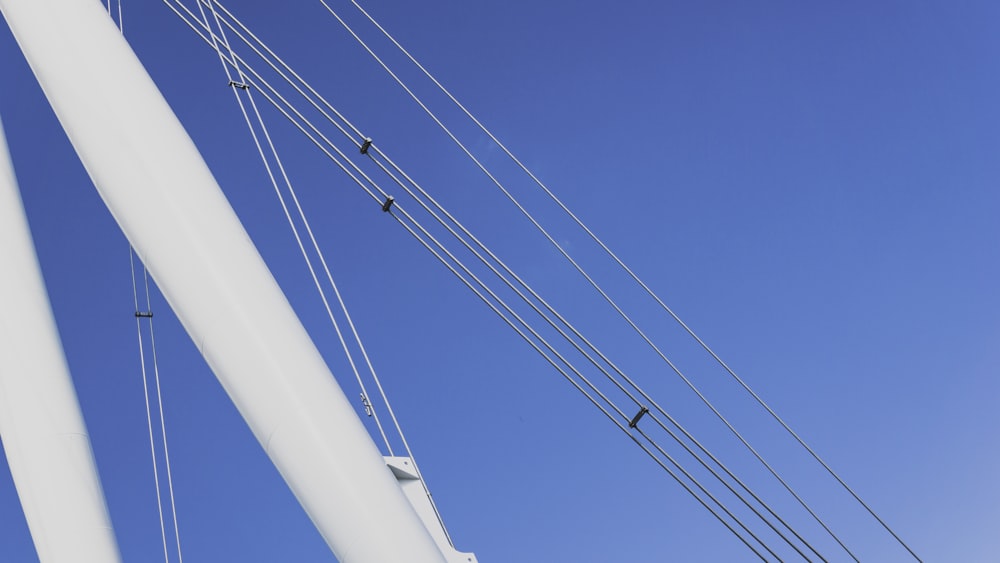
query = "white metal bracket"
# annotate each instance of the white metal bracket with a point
(406, 475)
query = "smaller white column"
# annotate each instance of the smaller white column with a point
(41, 426)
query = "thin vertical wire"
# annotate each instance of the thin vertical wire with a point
(149, 416)
(156, 377)
(163, 426)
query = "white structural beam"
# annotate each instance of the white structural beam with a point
(409, 480)
(163, 196)
(43, 432)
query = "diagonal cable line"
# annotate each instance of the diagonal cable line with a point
(523, 284)
(332, 283)
(285, 208)
(649, 291)
(645, 287)
(234, 58)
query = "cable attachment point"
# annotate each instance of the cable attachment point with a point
(366, 145)
(367, 404)
(143, 314)
(637, 417)
(388, 204)
(240, 85)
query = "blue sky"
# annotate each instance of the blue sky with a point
(812, 188)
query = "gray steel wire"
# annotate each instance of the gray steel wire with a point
(234, 58)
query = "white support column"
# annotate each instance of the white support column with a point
(170, 207)
(43, 432)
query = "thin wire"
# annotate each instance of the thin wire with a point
(343, 167)
(590, 385)
(333, 284)
(284, 206)
(279, 61)
(574, 382)
(342, 156)
(149, 416)
(397, 181)
(406, 444)
(156, 376)
(518, 279)
(291, 113)
(328, 154)
(579, 335)
(651, 293)
(718, 477)
(163, 426)
(593, 348)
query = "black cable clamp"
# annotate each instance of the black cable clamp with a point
(637, 417)
(387, 204)
(144, 315)
(366, 145)
(240, 85)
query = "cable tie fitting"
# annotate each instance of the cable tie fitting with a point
(366, 145)
(387, 204)
(240, 85)
(143, 314)
(637, 417)
(367, 404)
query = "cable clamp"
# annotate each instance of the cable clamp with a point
(637, 417)
(388, 204)
(240, 85)
(143, 314)
(366, 145)
(367, 404)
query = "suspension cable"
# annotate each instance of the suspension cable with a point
(147, 314)
(234, 58)
(333, 284)
(518, 279)
(588, 344)
(607, 250)
(577, 385)
(163, 425)
(149, 416)
(284, 204)
(649, 291)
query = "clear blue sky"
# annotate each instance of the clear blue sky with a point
(814, 189)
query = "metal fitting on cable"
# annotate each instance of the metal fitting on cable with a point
(638, 416)
(366, 145)
(240, 85)
(388, 204)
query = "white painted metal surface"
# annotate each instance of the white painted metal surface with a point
(162, 194)
(43, 432)
(406, 474)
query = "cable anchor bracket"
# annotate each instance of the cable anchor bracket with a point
(388, 203)
(638, 416)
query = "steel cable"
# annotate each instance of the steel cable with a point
(234, 58)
